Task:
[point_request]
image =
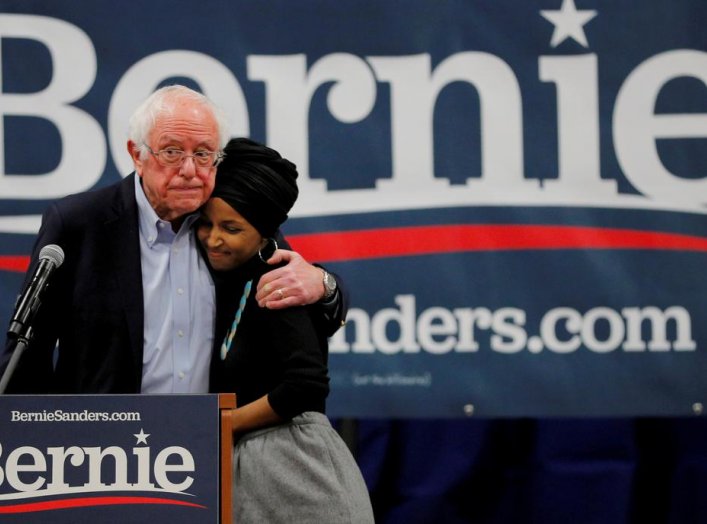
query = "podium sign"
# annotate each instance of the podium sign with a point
(109, 459)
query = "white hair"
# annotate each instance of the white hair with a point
(161, 102)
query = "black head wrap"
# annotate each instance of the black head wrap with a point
(258, 183)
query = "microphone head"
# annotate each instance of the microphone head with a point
(53, 254)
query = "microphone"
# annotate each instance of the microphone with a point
(51, 257)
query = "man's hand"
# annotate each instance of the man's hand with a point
(297, 284)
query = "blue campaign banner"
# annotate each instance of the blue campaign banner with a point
(110, 459)
(514, 191)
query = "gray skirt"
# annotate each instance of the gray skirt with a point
(296, 472)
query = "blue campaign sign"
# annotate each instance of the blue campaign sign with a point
(109, 459)
(514, 191)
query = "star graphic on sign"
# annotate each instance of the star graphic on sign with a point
(569, 23)
(141, 437)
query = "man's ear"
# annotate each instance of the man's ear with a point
(135, 154)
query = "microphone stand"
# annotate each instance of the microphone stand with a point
(51, 257)
(20, 345)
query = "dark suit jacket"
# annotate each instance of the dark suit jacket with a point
(93, 305)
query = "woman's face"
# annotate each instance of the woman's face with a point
(228, 239)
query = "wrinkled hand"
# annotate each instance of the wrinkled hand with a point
(297, 284)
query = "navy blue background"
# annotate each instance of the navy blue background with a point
(523, 467)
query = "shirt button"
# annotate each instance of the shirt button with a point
(150, 239)
(180, 333)
(161, 225)
(180, 291)
(181, 375)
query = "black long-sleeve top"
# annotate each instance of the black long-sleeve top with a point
(279, 353)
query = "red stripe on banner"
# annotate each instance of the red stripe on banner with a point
(90, 501)
(18, 264)
(425, 240)
(422, 240)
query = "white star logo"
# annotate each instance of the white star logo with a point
(569, 23)
(141, 437)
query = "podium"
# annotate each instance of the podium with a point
(115, 459)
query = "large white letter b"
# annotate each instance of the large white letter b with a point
(83, 155)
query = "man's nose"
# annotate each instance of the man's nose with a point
(188, 167)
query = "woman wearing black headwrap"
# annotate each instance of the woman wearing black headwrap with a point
(289, 463)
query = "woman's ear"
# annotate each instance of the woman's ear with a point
(267, 248)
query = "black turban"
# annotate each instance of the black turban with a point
(258, 183)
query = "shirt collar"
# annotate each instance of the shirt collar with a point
(152, 228)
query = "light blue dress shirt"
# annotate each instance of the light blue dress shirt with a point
(179, 302)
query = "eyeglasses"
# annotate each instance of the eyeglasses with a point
(173, 157)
